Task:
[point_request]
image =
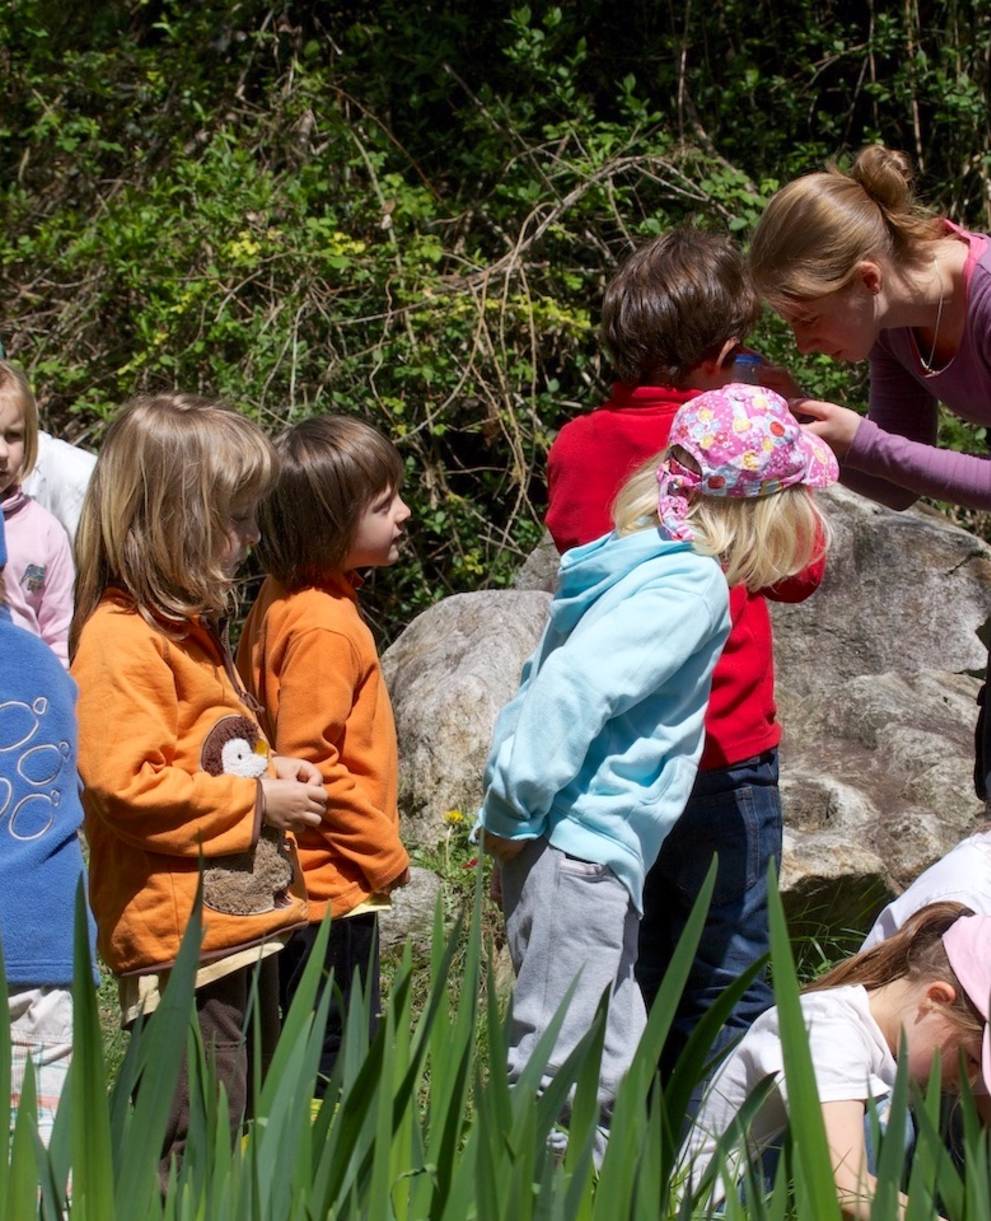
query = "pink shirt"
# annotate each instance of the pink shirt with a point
(39, 573)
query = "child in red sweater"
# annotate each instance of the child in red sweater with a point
(673, 320)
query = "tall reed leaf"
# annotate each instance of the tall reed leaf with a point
(92, 1164)
(804, 1111)
(156, 1054)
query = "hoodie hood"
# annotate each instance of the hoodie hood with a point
(590, 571)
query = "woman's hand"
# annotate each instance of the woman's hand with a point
(288, 768)
(836, 425)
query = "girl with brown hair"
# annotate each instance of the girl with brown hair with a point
(924, 990)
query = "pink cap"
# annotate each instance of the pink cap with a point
(747, 443)
(968, 947)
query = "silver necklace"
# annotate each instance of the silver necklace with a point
(928, 364)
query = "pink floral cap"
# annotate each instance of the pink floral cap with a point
(968, 947)
(746, 443)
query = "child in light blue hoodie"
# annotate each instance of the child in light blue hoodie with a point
(593, 760)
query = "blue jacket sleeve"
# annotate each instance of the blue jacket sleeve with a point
(603, 669)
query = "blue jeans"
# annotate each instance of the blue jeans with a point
(736, 812)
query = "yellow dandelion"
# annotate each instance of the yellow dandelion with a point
(453, 818)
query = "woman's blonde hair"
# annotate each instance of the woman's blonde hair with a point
(759, 541)
(172, 471)
(916, 953)
(817, 229)
(15, 388)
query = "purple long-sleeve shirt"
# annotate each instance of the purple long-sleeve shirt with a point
(894, 458)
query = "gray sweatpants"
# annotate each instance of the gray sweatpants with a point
(566, 917)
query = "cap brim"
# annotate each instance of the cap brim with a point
(823, 469)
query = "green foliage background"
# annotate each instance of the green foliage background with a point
(410, 211)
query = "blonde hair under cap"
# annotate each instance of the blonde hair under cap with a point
(735, 481)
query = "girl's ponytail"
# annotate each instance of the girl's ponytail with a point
(915, 952)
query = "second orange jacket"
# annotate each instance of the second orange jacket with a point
(310, 660)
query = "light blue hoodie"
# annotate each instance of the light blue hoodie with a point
(599, 748)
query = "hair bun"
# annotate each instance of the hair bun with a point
(886, 175)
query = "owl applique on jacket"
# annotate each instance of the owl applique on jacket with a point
(256, 881)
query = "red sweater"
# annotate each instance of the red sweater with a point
(590, 459)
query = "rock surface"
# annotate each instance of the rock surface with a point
(412, 912)
(876, 696)
(876, 690)
(449, 674)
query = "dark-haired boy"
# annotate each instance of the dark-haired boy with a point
(673, 319)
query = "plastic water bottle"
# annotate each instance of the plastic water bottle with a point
(746, 367)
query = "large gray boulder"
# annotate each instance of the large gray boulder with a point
(876, 696)
(903, 592)
(449, 674)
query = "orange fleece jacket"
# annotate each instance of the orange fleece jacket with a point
(309, 658)
(147, 704)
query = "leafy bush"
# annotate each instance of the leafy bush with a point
(411, 213)
(414, 1126)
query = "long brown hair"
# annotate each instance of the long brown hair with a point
(914, 953)
(171, 471)
(816, 229)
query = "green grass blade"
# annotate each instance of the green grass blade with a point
(922, 1183)
(694, 1063)
(584, 1120)
(804, 1110)
(297, 1021)
(22, 1181)
(92, 1166)
(891, 1162)
(949, 1185)
(617, 1180)
(673, 984)
(732, 1148)
(157, 1065)
(5, 1076)
(976, 1181)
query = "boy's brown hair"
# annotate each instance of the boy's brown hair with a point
(332, 468)
(673, 304)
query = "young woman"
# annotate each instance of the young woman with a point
(861, 272)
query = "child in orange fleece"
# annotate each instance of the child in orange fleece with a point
(308, 657)
(175, 768)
